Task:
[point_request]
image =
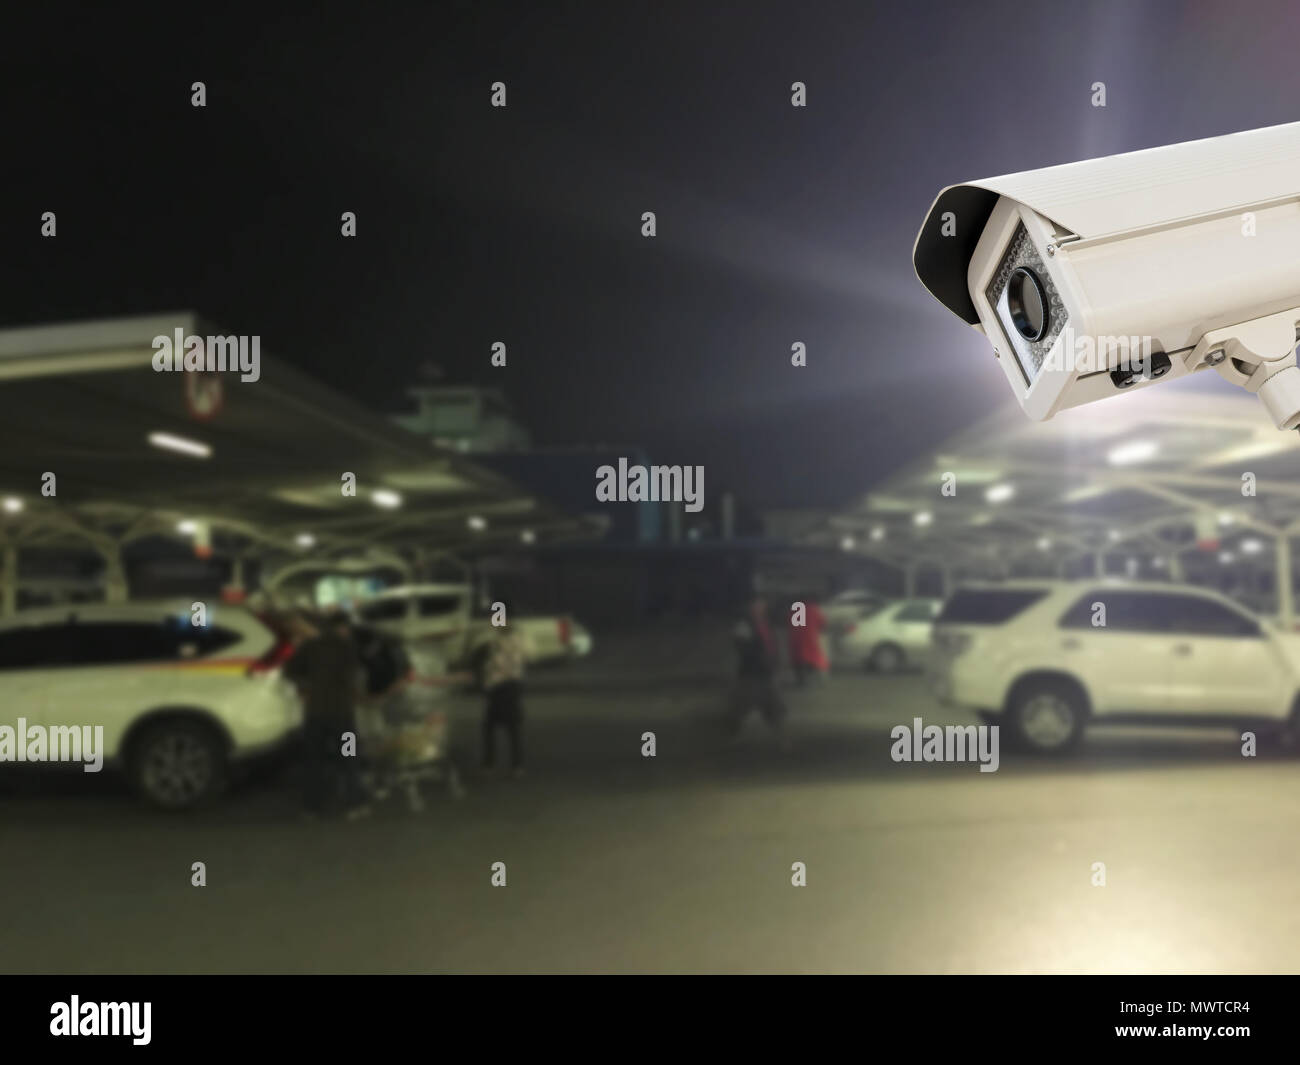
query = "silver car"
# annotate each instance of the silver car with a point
(895, 636)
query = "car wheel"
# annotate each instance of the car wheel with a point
(887, 658)
(177, 764)
(1047, 716)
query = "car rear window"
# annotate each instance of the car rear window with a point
(915, 612)
(988, 606)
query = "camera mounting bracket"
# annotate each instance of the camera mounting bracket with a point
(1260, 356)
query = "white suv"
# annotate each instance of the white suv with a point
(177, 702)
(1045, 658)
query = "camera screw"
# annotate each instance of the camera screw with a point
(1215, 357)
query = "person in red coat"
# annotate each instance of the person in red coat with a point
(807, 654)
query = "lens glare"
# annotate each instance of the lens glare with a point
(1027, 303)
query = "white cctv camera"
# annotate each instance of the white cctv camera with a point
(1106, 275)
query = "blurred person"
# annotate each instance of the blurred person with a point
(498, 670)
(325, 668)
(501, 673)
(755, 683)
(385, 663)
(807, 652)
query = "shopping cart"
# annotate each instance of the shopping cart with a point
(406, 737)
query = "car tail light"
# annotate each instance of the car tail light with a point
(566, 631)
(273, 659)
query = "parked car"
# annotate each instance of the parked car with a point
(440, 618)
(844, 608)
(892, 637)
(1048, 658)
(178, 703)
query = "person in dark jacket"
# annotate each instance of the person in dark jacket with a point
(755, 684)
(326, 670)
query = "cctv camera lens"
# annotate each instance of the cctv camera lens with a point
(1027, 303)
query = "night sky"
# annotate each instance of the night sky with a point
(475, 224)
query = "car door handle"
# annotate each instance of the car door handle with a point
(1183, 649)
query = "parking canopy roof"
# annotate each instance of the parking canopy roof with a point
(135, 450)
(1148, 474)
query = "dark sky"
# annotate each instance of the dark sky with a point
(776, 224)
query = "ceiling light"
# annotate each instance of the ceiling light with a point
(180, 444)
(1133, 452)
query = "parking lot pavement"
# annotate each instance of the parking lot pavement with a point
(683, 862)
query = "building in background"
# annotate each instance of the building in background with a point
(464, 418)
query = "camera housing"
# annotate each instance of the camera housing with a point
(1106, 276)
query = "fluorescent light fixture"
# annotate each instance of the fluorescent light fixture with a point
(180, 444)
(848, 543)
(528, 536)
(1115, 536)
(1226, 556)
(965, 472)
(878, 533)
(1000, 493)
(305, 540)
(1252, 546)
(187, 527)
(385, 497)
(923, 517)
(1044, 543)
(1133, 452)
(13, 504)
(477, 522)
(1085, 492)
